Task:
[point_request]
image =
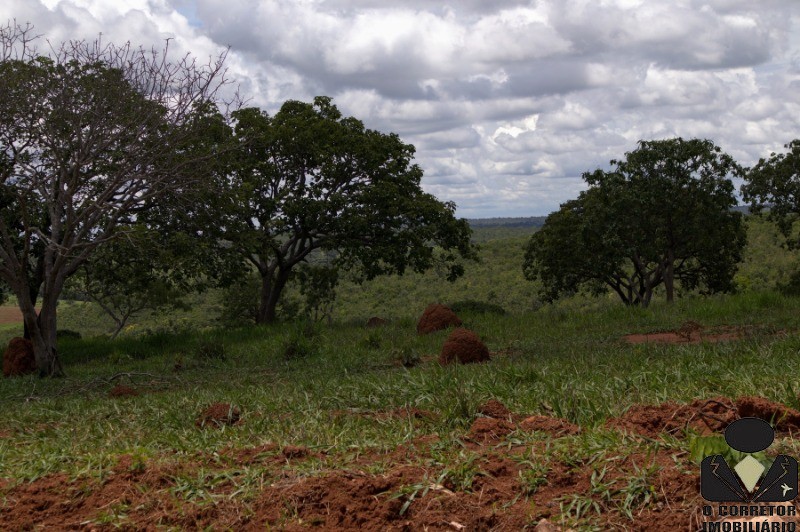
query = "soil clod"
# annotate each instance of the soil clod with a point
(218, 415)
(121, 390)
(494, 408)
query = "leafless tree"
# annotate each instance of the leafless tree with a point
(91, 135)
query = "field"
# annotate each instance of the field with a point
(341, 427)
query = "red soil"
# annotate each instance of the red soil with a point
(120, 390)
(691, 332)
(494, 408)
(18, 358)
(437, 318)
(465, 347)
(217, 415)
(411, 490)
(9, 314)
(704, 416)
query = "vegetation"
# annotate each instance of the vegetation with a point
(310, 192)
(89, 136)
(663, 216)
(775, 183)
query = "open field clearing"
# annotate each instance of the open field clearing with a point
(10, 314)
(342, 427)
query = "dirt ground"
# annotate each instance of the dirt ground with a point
(692, 332)
(10, 314)
(404, 489)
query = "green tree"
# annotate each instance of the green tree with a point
(775, 183)
(660, 216)
(143, 269)
(308, 181)
(91, 137)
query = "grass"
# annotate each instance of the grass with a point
(320, 386)
(565, 364)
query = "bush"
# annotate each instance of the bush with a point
(791, 287)
(67, 334)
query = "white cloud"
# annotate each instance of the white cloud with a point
(508, 102)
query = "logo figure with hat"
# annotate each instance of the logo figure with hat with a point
(746, 481)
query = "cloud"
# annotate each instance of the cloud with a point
(507, 102)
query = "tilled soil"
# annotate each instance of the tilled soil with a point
(407, 488)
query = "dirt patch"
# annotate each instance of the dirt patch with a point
(705, 416)
(10, 314)
(218, 415)
(488, 428)
(504, 487)
(120, 390)
(437, 317)
(783, 418)
(465, 347)
(554, 426)
(18, 358)
(692, 332)
(294, 452)
(494, 408)
(502, 493)
(375, 321)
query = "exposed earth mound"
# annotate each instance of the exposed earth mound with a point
(375, 321)
(489, 428)
(465, 347)
(218, 415)
(555, 426)
(494, 408)
(496, 421)
(705, 416)
(120, 390)
(18, 358)
(437, 318)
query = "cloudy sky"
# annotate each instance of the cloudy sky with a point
(507, 101)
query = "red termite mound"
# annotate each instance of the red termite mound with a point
(18, 358)
(465, 347)
(437, 318)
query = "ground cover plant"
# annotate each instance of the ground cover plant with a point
(333, 430)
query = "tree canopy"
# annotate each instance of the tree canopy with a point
(659, 217)
(91, 136)
(775, 183)
(309, 182)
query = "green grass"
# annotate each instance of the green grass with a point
(571, 365)
(320, 385)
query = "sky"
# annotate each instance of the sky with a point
(507, 102)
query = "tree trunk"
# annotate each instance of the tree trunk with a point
(669, 276)
(271, 289)
(42, 331)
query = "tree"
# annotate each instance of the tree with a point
(91, 136)
(661, 216)
(308, 181)
(145, 269)
(775, 183)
